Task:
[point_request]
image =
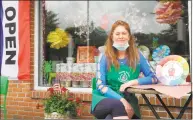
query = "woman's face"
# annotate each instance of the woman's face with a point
(120, 35)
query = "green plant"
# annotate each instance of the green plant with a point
(46, 69)
(62, 102)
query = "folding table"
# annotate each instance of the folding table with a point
(143, 93)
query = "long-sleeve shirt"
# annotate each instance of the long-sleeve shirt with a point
(102, 70)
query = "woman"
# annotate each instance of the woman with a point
(118, 68)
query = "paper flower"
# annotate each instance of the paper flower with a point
(168, 11)
(58, 38)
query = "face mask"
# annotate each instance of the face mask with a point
(121, 47)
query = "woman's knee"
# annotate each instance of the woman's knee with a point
(118, 109)
(117, 104)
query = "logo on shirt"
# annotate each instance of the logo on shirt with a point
(123, 76)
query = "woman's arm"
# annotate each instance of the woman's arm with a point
(101, 79)
(150, 77)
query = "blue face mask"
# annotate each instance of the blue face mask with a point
(121, 47)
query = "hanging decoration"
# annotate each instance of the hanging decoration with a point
(160, 52)
(168, 12)
(58, 38)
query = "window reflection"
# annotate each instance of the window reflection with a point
(89, 22)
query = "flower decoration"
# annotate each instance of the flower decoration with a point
(58, 38)
(60, 100)
(168, 11)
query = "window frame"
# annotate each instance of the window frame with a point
(37, 48)
(38, 53)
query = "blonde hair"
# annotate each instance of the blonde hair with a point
(112, 53)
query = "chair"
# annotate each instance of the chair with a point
(4, 88)
(94, 83)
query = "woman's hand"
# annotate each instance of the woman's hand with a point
(128, 84)
(128, 108)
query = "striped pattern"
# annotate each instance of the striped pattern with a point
(15, 39)
(57, 88)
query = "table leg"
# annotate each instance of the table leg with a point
(165, 107)
(184, 108)
(150, 106)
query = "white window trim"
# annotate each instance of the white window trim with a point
(36, 56)
(88, 90)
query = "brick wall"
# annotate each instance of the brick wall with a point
(25, 103)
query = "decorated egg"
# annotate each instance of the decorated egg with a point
(160, 52)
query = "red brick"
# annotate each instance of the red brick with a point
(9, 98)
(27, 99)
(14, 112)
(21, 94)
(23, 103)
(85, 97)
(22, 85)
(165, 100)
(12, 85)
(25, 108)
(188, 111)
(157, 102)
(161, 114)
(10, 90)
(175, 109)
(37, 114)
(189, 116)
(177, 102)
(171, 102)
(140, 100)
(17, 89)
(40, 110)
(28, 94)
(9, 116)
(27, 117)
(17, 117)
(12, 103)
(28, 86)
(90, 97)
(183, 101)
(12, 107)
(152, 100)
(25, 89)
(18, 99)
(175, 114)
(33, 104)
(148, 117)
(24, 112)
(190, 104)
(145, 113)
(81, 96)
(13, 94)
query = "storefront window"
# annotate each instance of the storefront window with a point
(89, 22)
